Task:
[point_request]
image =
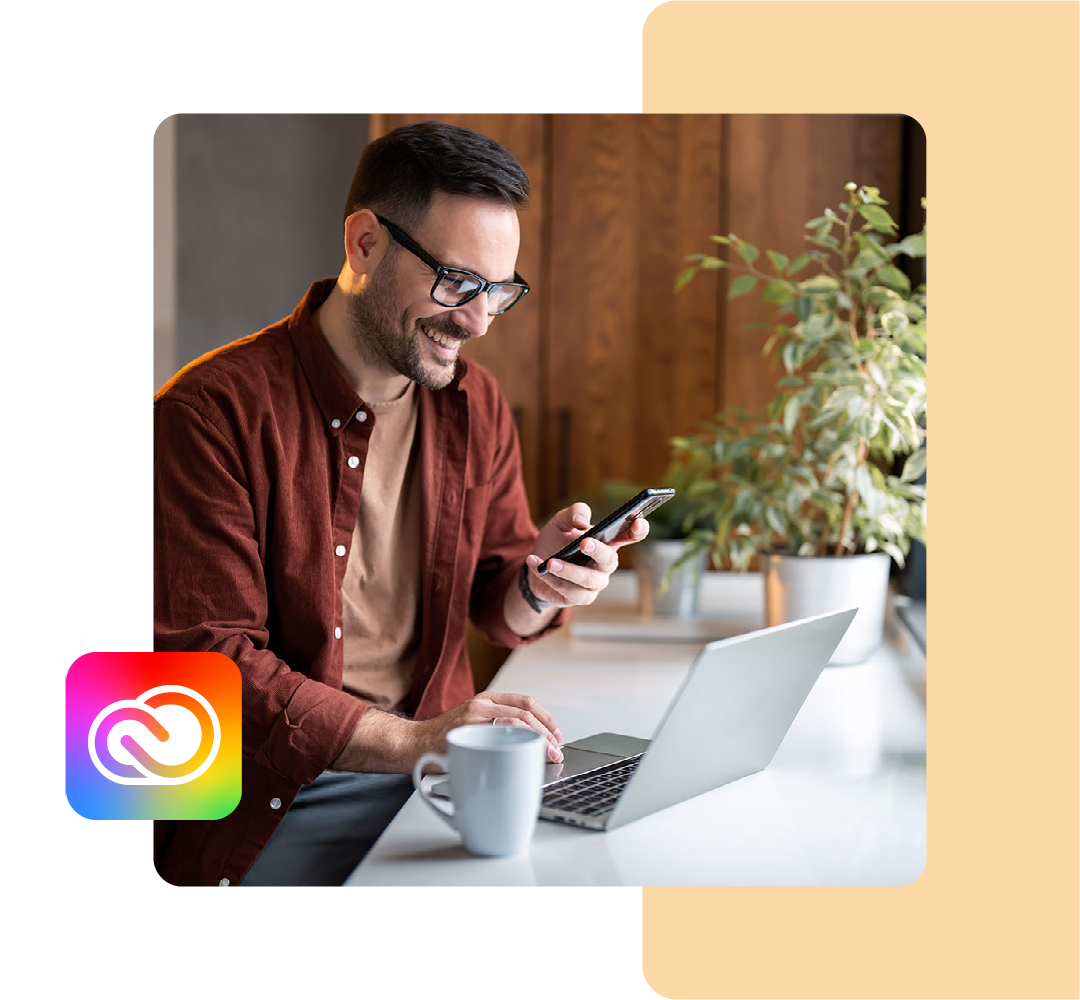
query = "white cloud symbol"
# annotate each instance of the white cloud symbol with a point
(182, 725)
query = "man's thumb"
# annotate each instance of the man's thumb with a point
(576, 517)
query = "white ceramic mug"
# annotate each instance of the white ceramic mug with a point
(496, 775)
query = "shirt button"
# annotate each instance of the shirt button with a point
(361, 415)
(337, 632)
(275, 803)
(353, 461)
(335, 423)
(340, 550)
(224, 881)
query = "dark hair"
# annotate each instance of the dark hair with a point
(399, 172)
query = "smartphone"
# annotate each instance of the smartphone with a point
(611, 526)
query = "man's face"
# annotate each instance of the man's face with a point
(396, 324)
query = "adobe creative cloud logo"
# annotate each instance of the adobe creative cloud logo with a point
(153, 736)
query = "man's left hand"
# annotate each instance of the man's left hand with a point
(566, 584)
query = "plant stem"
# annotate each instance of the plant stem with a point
(849, 507)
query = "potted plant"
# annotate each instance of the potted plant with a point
(669, 583)
(814, 489)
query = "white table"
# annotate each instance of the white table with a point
(842, 803)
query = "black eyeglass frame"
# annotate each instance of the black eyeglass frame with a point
(441, 270)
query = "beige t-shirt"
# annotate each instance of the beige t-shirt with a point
(381, 590)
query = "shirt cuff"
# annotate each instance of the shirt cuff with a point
(311, 731)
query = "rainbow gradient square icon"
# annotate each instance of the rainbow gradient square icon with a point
(153, 735)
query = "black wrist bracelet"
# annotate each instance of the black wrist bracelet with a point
(531, 599)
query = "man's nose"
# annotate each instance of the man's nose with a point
(473, 316)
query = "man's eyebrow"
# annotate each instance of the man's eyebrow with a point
(495, 281)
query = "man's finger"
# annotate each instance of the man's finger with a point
(582, 576)
(638, 530)
(527, 703)
(603, 555)
(559, 591)
(553, 753)
(576, 517)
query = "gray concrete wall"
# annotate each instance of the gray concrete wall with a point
(258, 203)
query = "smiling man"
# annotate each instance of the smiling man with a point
(336, 495)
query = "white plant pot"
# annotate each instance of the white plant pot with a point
(681, 599)
(801, 586)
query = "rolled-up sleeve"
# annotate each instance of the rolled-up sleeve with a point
(210, 593)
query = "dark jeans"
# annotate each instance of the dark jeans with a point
(332, 824)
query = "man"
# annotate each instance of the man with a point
(335, 495)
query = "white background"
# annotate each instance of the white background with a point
(84, 88)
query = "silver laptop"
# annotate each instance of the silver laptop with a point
(726, 721)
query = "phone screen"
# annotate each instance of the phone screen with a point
(611, 526)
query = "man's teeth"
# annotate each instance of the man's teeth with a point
(440, 338)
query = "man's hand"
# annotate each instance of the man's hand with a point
(386, 743)
(566, 584)
(490, 707)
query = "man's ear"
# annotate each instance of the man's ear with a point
(365, 241)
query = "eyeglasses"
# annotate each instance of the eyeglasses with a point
(454, 286)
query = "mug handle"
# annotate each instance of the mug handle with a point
(441, 760)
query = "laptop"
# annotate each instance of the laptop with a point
(726, 721)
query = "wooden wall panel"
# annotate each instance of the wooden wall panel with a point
(678, 206)
(511, 347)
(591, 303)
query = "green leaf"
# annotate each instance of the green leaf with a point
(789, 355)
(791, 382)
(894, 323)
(799, 263)
(777, 291)
(780, 261)
(774, 520)
(878, 218)
(720, 239)
(915, 466)
(913, 246)
(819, 284)
(685, 277)
(895, 552)
(791, 413)
(804, 306)
(878, 295)
(894, 278)
(741, 285)
(748, 252)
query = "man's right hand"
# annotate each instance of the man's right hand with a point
(385, 743)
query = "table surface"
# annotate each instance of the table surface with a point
(842, 803)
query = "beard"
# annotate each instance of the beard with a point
(383, 339)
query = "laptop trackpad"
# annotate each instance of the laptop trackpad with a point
(613, 743)
(577, 761)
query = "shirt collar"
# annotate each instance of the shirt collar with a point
(337, 399)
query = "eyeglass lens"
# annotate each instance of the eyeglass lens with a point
(457, 286)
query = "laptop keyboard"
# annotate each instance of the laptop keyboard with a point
(593, 792)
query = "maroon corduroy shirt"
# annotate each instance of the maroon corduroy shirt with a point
(254, 507)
